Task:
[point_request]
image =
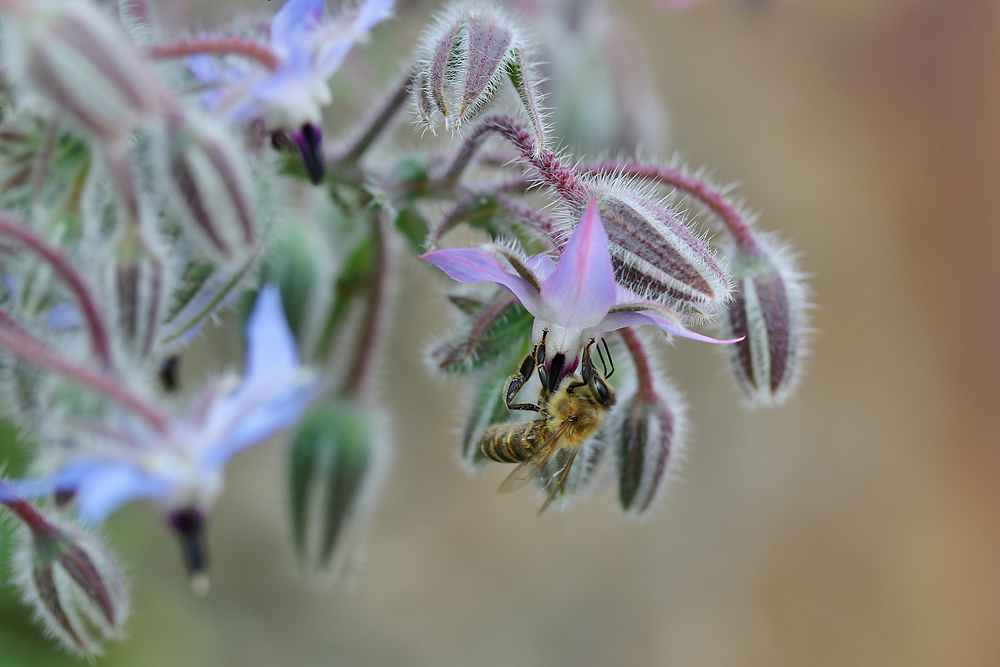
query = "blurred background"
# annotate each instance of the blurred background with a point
(859, 524)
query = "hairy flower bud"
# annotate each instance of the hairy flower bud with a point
(78, 59)
(769, 312)
(138, 278)
(465, 58)
(646, 437)
(336, 463)
(655, 255)
(207, 178)
(74, 585)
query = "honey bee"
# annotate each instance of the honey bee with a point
(570, 411)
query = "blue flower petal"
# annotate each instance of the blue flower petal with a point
(104, 486)
(271, 347)
(368, 15)
(294, 23)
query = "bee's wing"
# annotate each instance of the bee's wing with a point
(528, 468)
(560, 481)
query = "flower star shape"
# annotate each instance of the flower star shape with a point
(574, 300)
(181, 470)
(292, 95)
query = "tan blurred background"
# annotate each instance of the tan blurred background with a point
(857, 525)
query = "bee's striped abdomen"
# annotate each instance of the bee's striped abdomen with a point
(510, 443)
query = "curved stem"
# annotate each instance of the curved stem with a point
(218, 46)
(713, 199)
(371, 332)
(25, 511)
(24, 346)
(646, 389)
(550, 170)
(99, 338)
(380, 121)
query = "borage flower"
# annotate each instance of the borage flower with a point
(574, 300)
(181, 470)
(291, 96)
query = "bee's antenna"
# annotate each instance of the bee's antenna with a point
(611, 362)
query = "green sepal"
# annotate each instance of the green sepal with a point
(485, 339)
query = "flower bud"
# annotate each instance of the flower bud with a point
(655, 255)
(646, 437)
(74, 585)
(769, 312)
(465, 58)
(336, 464)
(138, 278)
(77, 58)
(207, 179)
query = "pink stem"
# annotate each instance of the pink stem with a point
(714, 200)
(27, 513)
(99, 338)
(643, 371)
(550, 171)
(218, 46)
(22, 345)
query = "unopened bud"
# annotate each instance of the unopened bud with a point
(139, 278)
(77, 58)
(335, 467)
(769, 312)
(657, 256)
(646, 436)
(74, 585)
(466, 56)
(208, 180)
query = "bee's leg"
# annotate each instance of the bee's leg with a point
(514, 383)
(587, 369)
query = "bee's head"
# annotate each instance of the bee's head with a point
(596, 381)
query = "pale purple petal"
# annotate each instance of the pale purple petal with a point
(250, 419)
(271, 347)
(294, 22)
(204, 68)
(367, 17)
(541, 265)
(105, 486)
(582, 288)
(471, 265)
(621, 319)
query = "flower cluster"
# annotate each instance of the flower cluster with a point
(140, 201)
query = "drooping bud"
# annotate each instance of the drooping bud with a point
(305, 267)
(336, 464)
(138, 278)
(646, 434)
(207, 178)
(769, 311)
(73, 584)
(78, 59)
(465, 58)
(657, 256)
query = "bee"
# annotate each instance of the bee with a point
(569, 410)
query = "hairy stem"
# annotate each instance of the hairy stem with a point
(646, 389)
(218, 46)
(23, 346)
(380, 121)
(550, 170)
(371, 331)
(96, 327)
